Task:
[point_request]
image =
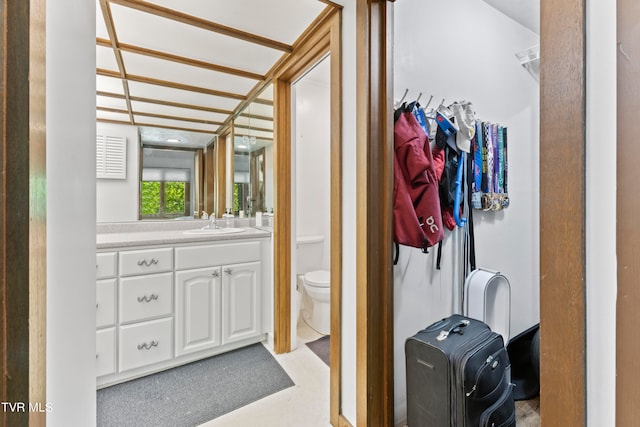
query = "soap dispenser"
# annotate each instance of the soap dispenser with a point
(228, 217)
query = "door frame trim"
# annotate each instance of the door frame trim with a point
(325, 39)
(562, 196)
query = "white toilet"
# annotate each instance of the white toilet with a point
(316, 282)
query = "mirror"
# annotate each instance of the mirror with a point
(253, 157)
(168, 180)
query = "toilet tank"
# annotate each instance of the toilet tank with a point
(309, 253)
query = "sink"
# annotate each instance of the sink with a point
(214, 231)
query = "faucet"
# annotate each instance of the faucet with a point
(212, 225)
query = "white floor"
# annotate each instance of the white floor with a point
(304, 404)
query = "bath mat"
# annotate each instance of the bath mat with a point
(321, 347)
(193, 394)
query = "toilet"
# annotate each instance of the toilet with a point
(315, 281)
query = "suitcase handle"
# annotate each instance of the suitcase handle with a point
(455, 329)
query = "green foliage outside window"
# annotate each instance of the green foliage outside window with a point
(152, 200)
(150, 191)
(174, 198)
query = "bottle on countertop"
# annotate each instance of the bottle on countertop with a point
(228, 218)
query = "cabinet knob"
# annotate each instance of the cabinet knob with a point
(215, 273)
(228, 271)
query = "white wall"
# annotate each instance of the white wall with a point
(465, 50)
(71, 213)
(312, 154)
(117, 199)
(349, 220)
(601, 212)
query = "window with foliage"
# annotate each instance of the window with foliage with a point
(164, 199)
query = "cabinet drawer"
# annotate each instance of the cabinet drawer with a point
(106, 265)
(105, 352)
(105, 303)
(209, 255)
(146, 261)
(145, 343)
(145, 297)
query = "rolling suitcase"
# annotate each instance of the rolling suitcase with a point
(458, 375)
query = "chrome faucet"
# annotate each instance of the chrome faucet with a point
(212, 225)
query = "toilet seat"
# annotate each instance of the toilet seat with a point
(318, 278)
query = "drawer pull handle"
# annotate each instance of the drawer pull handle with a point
(228, 271)
(97, 355)
(145, 346)
(147, 263)
(148, 299)
(215, 273)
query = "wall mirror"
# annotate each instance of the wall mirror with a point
(253, 156)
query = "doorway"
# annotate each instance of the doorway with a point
(326, 40)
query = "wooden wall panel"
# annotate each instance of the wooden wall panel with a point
(628, 212)
(374, 175)
(562, 213)
(22, 211)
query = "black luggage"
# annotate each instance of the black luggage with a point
(458, 375)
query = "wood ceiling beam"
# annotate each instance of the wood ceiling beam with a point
(123, 47)
(108, 21)
(332, 4)
(173, 85)
(174, 15)
(324, 17)
(159, 116)
(239, 126)
(120, 122)
(256, 116)
(165, 103)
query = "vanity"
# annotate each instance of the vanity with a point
(167, 294)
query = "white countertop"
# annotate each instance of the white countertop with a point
(170, 237)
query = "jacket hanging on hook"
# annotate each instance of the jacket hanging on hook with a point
(416, 208)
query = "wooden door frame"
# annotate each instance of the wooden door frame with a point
(562, 219)
(562, 213)
(326, 38)
(627, 208)
(23, 211)
(374, 210)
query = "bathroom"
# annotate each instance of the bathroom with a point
(67, 222)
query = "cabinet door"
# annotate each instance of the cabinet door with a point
(197, 309)
(105, 351)
(105, 303)
(240, 301)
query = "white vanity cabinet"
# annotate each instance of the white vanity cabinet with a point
(160, 307)
(241, 295)
(217, 295)
(198, 308)
(106, 272)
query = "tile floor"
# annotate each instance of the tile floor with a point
(307, 403)
(304, 404)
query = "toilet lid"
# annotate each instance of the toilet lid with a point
(318, 278)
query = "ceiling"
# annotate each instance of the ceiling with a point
(185, 69)
(525, 12)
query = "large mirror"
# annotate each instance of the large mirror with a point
(253, 179)
(169, 174)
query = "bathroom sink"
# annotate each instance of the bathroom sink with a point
(214, 231)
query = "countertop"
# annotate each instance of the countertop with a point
(163, 236)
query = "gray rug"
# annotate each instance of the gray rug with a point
(193, 394)
(321, 347)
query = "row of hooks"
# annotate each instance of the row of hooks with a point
(406, 92)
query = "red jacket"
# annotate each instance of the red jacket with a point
(416, 207)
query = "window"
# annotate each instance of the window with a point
(164, 199)
(166, 183)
